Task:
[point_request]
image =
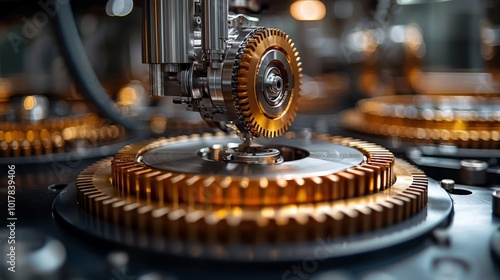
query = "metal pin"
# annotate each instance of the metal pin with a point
(448, 184)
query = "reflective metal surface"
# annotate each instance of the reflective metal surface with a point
(212, 207)
(168, 31)
(323, 158)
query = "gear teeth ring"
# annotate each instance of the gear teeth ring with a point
(56, 135)
(379, 192)
(473, 123)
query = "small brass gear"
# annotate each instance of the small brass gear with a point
(268, 82)
(329, 186)
(465, 121)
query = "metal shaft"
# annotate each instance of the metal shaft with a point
(156, 79)
(167, 31)
(168, 39)
(214, 27)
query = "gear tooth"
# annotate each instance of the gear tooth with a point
(244, 182)
(238, 82)
(242, 98)
(227, 198)
(243, 71)
(282, 184)
(263, 183)
(250, 48)
(246, 114)
(255, 129)
(191, 180)
(245, 67)
(226, 182)
(253, 42)
(245, 108)
(246, 63)
(242, 84)
(258, 39)
(243, 101)
(175, 188)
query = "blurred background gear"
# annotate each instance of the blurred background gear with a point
(165, 139)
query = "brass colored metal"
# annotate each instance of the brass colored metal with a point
(254, 190)
(463, 121)
(379, 192)
(56, 135)
(260, 119)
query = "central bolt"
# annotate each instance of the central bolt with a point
(274, 84)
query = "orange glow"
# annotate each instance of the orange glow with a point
(29, 103)
(5, 88)
(127, 96)
(308, 10)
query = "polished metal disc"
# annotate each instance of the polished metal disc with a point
(303, 157)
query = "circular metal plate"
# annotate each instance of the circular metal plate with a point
(324, 158)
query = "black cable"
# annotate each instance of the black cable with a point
(81, 70)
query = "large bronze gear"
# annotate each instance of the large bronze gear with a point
(465, 121)
(268, 105)
(366, 189)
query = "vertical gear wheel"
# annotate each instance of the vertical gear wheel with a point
(267, 82)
